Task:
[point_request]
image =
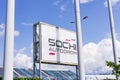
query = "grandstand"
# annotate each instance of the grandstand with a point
(56, 74)
(46, 74)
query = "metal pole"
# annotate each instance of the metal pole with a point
(112, 32)
(77, 71)
(34, 39)
(79, 40)
(40, 50)
(9, 42)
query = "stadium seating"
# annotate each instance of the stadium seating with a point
(55, 74)
(46, 74)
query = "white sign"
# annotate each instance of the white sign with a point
(58, 45)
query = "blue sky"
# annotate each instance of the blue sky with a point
(95, 29)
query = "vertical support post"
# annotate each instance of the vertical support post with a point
(9, 42)
(77, 72)
(40, 50)
(112, 32)
(79, 40)
(34, 39)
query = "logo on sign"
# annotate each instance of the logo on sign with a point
(59, 46)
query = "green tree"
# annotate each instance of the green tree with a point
(115, 68)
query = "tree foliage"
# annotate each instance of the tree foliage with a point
(115, 67)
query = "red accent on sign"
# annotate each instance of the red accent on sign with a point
(67, 39)
(51, 53)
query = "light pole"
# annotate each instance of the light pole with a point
(81, 69)
(112, 32)
(77, 73)
(85, 17)
(9, 42)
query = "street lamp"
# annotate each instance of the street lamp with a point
(85, 17)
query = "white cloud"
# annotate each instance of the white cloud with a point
(85, 1)
(95, 55)
(2, 26)
(21, 50)
(114, 2)
(118, 36)
(62, 8)
(31, 47)
(16, 33)
(27, 24)
(2, 31)
(56, 2)
(21, 60)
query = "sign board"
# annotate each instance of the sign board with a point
(58, 45)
